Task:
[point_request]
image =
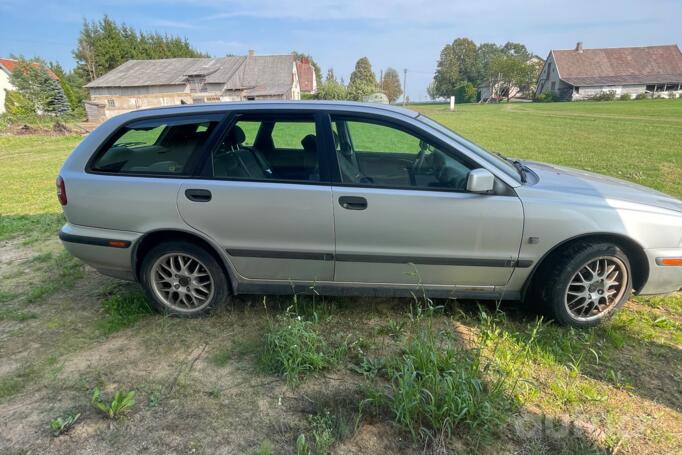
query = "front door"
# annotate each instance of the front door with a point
(263, 200)
(403, 215)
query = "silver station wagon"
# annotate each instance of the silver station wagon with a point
(205, 201)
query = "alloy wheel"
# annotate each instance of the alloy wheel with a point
(596, 287)
(182, 282)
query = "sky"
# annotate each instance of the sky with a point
(403, 34)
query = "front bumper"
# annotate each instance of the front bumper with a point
(108, 251)
(663, 279)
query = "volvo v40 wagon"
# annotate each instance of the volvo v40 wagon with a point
(204, 201)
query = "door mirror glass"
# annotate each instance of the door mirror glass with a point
(480, 181)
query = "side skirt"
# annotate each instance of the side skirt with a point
(370, 290)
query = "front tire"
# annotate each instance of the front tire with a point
(183, 279)
(586, 284)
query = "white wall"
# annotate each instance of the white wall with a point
(632, 90)
(4, 85)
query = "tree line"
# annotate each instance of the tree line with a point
(363, 82)
(463, 66)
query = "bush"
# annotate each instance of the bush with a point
(293, 349)
(625, 97)
(606, 95)
(641, 96)
(546, 97)
(16, 105)
(465, 93)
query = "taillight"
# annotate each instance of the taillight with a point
(61, 190)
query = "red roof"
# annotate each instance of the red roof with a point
(306, 76)
(10, 63)
(625, 65)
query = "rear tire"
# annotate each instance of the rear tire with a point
(585, 284)
(183, 279)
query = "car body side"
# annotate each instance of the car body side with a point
(134, 209)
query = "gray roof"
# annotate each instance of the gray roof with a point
(618, 66)
(260, 74)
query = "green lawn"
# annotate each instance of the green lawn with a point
(637, 141)
(359, 375)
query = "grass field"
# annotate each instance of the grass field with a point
(276, 375)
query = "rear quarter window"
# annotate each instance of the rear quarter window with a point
(155, 147)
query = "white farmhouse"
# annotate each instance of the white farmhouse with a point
(583, 73)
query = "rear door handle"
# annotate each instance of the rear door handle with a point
(197, 195)
(353, 202)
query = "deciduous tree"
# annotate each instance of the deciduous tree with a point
(390, 85)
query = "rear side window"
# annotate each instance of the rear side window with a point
(269, 147)
(166, 146)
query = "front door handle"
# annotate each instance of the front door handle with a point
(197, 195)
(353, 202)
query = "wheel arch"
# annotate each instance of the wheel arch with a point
(150, 239)
(633, 250)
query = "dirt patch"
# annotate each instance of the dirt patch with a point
(57, 128)
(375, 438)
(12, 255)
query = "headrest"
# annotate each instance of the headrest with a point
(235, 137)
(309, 142)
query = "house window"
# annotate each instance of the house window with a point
(111, 103)
(549, 69)
(577, 90)
(553, 85)
(651, 88)
(250, 98)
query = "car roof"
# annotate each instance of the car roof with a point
(344, 106)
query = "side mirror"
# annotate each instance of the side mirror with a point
(480, 181)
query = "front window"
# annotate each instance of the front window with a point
(376, 154)
(496, 160)
(157, 147)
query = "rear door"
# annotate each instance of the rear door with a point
(403, 215)
(265, 201)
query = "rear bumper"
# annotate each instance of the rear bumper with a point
(108, 251)
(663, 278)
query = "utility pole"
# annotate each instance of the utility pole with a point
(381, 80)
(404, 85)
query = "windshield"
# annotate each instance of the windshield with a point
(504, 165)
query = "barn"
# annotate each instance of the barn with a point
(149, 83)
(583, 73)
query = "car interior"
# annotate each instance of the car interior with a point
(163, 149)
(272, 149)
(393, 158)
(416, 164)
(292, 157)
